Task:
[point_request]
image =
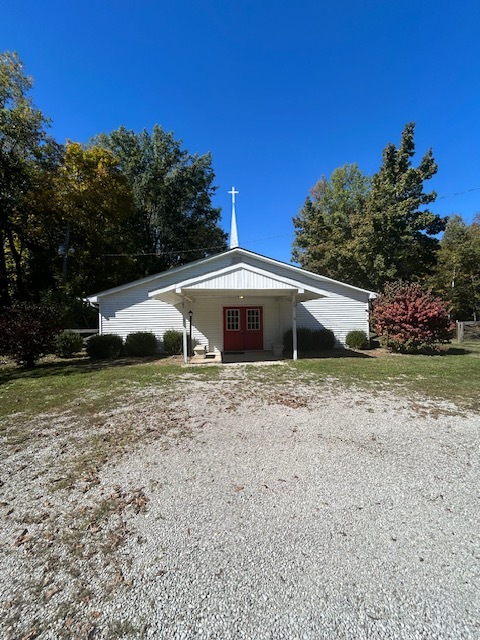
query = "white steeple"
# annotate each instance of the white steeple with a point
(233, 227)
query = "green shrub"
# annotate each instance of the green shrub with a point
(68, 343)
(173, 342)
(325, 339)
(104, 346)
(141, 343)
(357, 339)
(310, 339)
(27, 331)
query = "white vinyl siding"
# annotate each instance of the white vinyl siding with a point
(341, 315)
(144, 315)
(240, 279)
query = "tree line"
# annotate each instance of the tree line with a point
(371, 231)
(78, 218)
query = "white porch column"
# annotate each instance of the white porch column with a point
(185, 348)
(294, 327)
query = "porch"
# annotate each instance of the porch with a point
(238, 313)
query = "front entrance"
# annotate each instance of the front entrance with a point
(242, 328)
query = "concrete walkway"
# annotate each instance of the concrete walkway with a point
(237, 357)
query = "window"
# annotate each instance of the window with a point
(253, 319)
(233, 319)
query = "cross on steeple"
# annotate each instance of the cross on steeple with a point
(233, 227)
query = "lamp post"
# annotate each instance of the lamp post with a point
(190, 314)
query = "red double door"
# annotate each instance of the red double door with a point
(242, 328)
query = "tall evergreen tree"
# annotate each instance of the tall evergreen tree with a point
(366, 233)
(395, 238)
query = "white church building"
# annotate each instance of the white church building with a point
(236, 301)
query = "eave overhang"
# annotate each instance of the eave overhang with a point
(236, 279)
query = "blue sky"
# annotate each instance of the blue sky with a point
(279, 92)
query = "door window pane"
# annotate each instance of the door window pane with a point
(253, 319)
(233, 319)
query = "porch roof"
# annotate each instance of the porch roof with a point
(237, 279)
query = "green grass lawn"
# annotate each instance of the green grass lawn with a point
(454, 376)
(85, 386)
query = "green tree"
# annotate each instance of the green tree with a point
(24, 148)
(457, 274)
(395, 238)
(174, 220)
(326, 225)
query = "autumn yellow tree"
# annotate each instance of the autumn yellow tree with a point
(93, 201)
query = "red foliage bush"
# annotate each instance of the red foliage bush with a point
(408, 318)
(27, 331)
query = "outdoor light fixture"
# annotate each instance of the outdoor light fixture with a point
(241, 297)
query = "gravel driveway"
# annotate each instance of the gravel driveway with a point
(292, 510)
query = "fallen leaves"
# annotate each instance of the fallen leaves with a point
(289, 400)
(51, 592)
(23, 538)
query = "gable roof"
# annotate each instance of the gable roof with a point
(237, 277)
(296, 272)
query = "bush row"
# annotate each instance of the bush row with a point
(309, 339)
(139, 344)
(145, 344)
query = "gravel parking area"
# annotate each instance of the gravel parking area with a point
(246, 510)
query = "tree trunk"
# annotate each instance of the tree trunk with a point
(18, 264)
(5, 299)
